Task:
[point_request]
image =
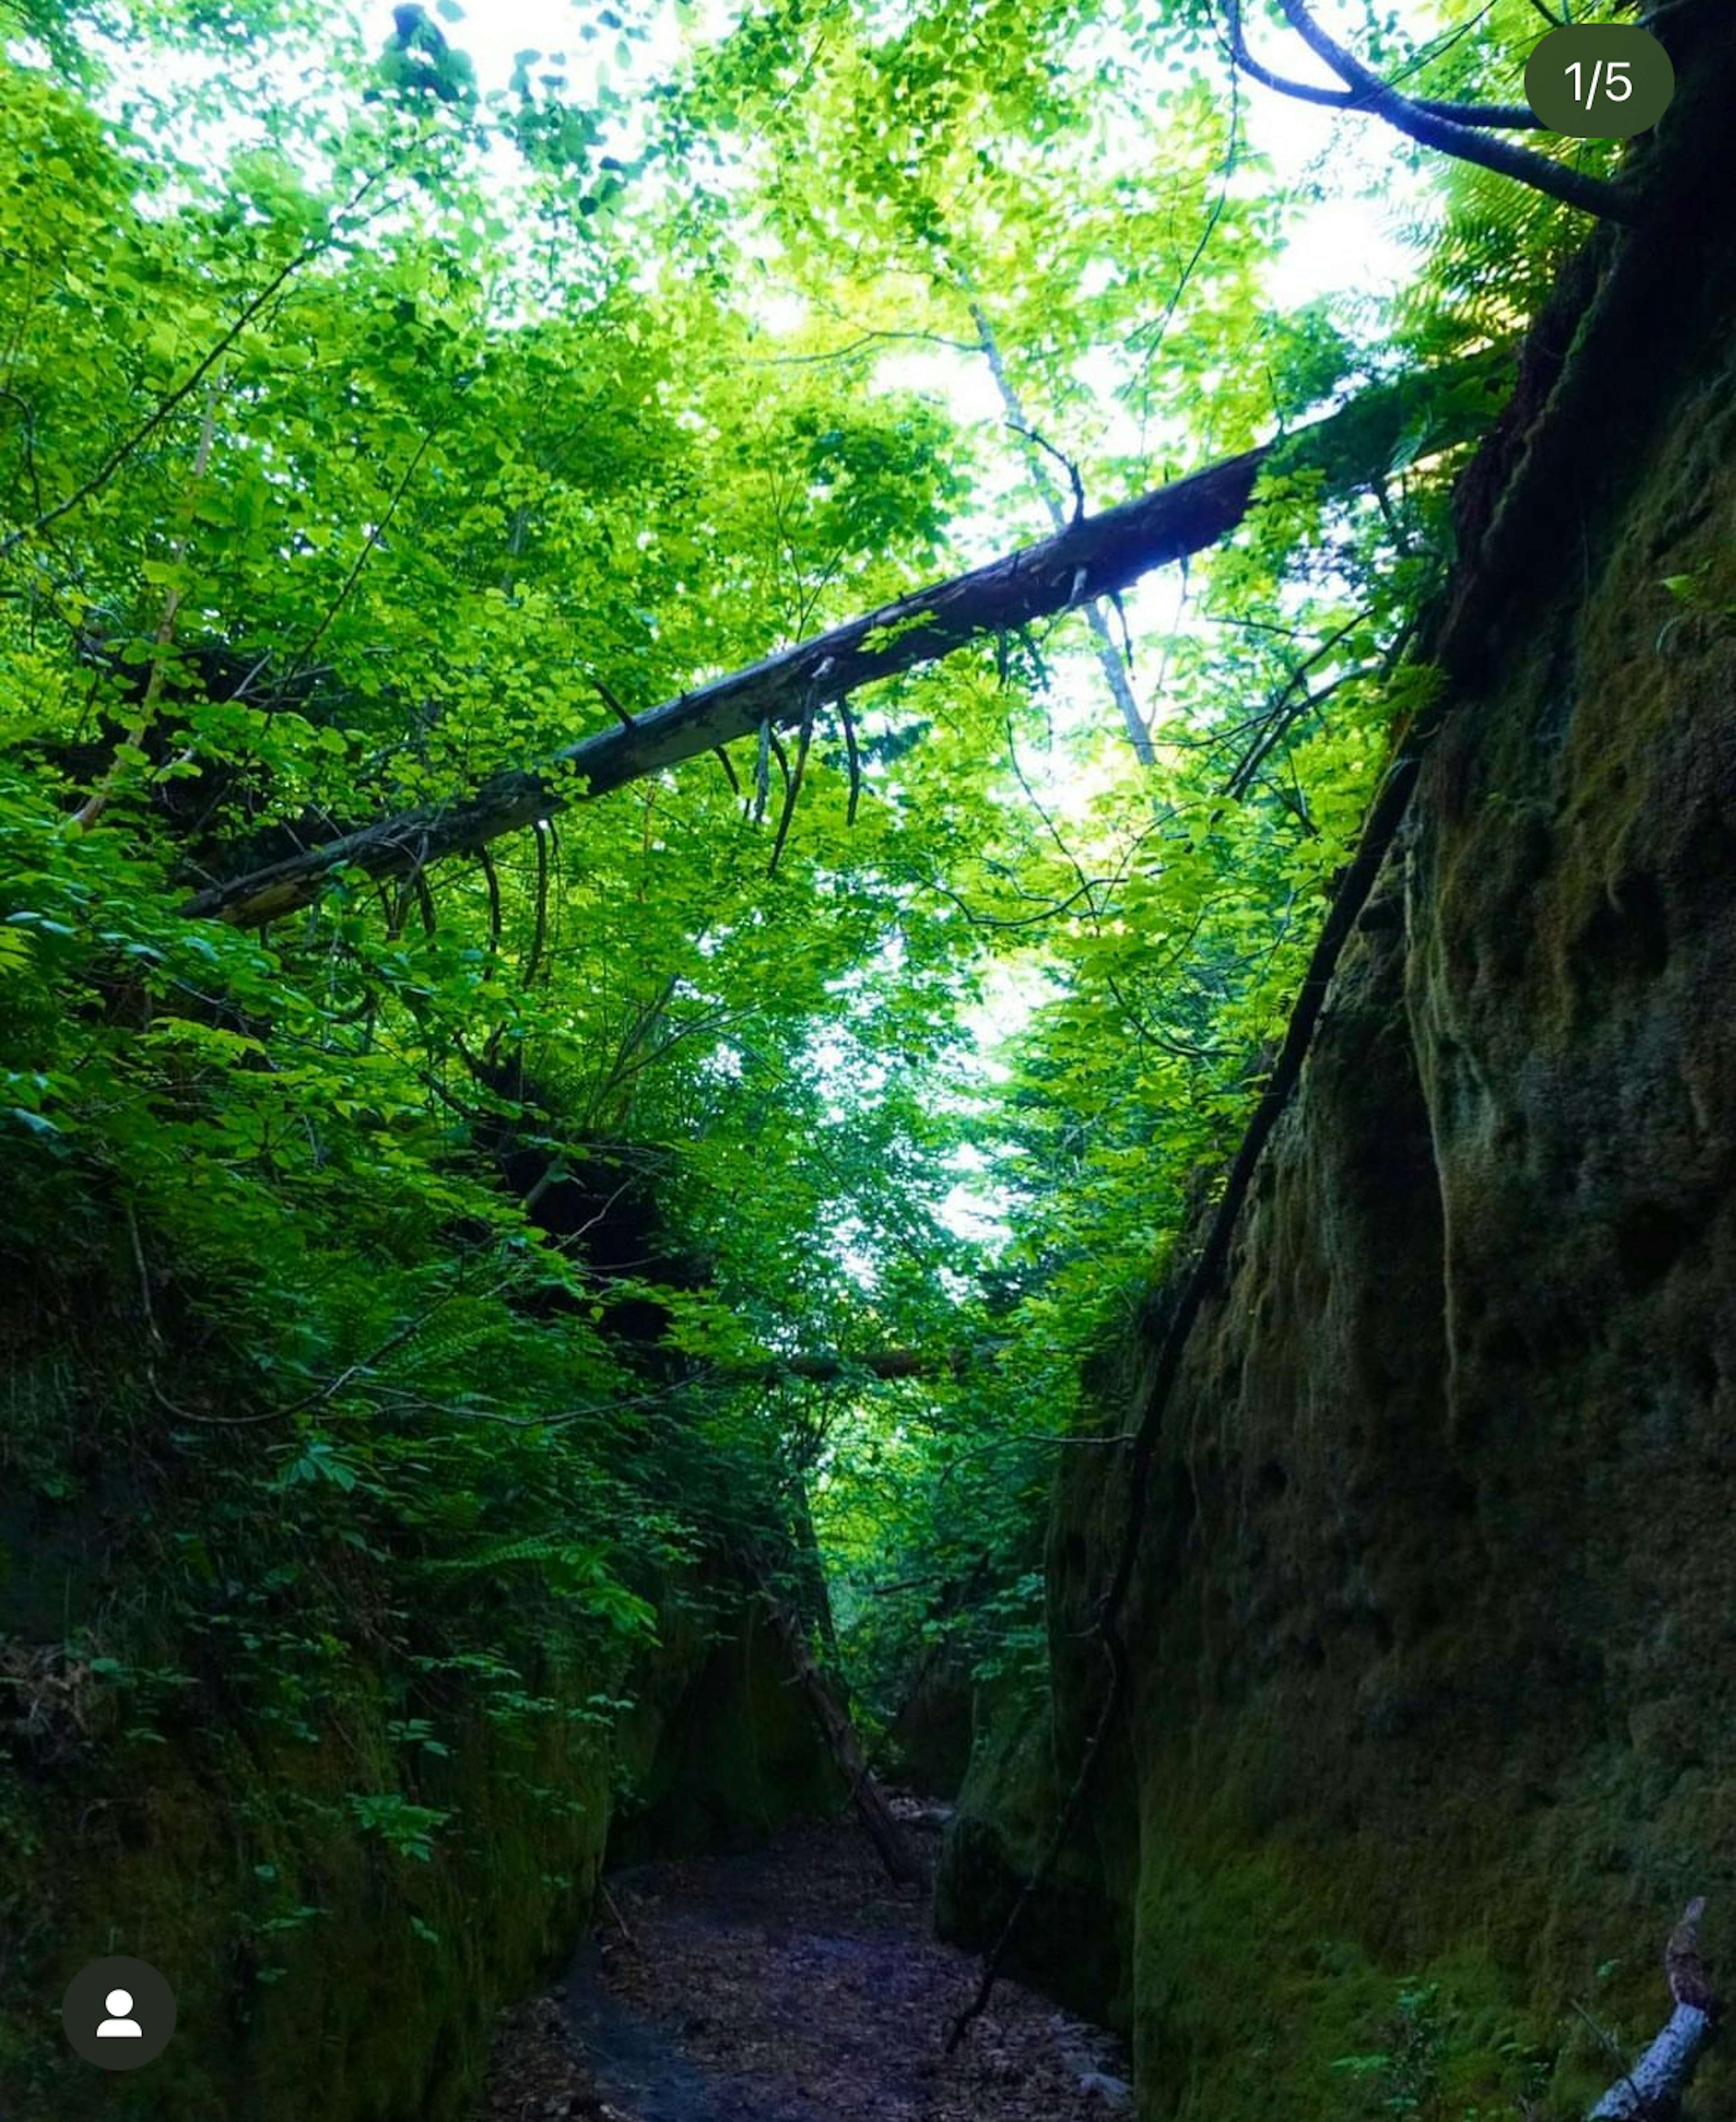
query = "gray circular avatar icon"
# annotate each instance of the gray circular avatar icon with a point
(118, 2013)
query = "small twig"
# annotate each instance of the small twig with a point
(1120, 611)
(792, 786)
(539, 931)
(855, 346)
(144, 1272)
(318, 1395)
(851, 752)
(376, 532)
(762, 772)
(210, 1421)
(781, 756)
(621, 1922)
(1612, 2049)
(491, 877)
(615, 707)
(1624, 2082)
(1066, 463)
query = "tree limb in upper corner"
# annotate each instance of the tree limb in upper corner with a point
(1460, 129)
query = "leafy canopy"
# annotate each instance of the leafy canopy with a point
(358, 439)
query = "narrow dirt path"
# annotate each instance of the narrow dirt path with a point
(792, 1985)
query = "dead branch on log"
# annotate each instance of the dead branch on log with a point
(792, 782)
(611, 703)
(853, 753)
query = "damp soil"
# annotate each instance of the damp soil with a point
(792, 1984)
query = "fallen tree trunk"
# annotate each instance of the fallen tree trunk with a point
(1094, 557)
(1654, 2086)
(883, 1363)
(900, 1860)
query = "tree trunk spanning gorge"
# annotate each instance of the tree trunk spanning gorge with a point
(1094, 557)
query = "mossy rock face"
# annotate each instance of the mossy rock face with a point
(733, 1755)
(927, 1744)
(1433, 1671)
(318, 1968)
(1074, 1939)
(341, 1912)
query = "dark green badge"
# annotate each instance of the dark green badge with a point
(118, 2012)
(1599, 81)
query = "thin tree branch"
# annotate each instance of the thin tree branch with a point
(1593, 195)
(1114, 670)
(853, 755)
(539, 934)
(855, 345)
(92, 808)
(792, 787)
(1495, 117)
(491, 878)
(612, 704)
(375, 532)
(1066, 463)
(762, 771)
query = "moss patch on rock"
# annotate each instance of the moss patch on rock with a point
(341, 1919)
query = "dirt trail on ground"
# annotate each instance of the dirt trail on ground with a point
(791, 1985)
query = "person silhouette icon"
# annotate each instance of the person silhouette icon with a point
(118, 2013)
(118, 2002)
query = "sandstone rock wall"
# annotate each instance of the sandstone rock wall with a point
(1435, 1630)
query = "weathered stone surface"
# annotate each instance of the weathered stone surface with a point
(1434, 1628)
(373, 1994)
